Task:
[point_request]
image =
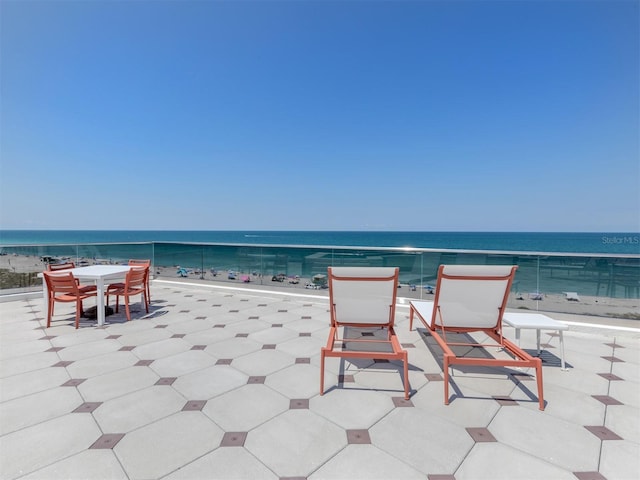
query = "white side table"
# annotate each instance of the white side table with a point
(539, 322)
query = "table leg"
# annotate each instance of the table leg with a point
(100, 301)
(518, 336)
(538, 339)
(411, 318)
(561, 351)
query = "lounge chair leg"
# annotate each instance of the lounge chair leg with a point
(446, 380)
(539, 380)
(405, 362)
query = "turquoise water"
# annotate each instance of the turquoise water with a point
(605, 242)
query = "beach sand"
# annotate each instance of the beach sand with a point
(550, 303)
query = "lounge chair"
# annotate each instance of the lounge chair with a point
(363, 303)
(473, 298)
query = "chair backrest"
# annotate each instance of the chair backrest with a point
(141, 263)
(363, 295)
(52, 267)
(61, 283)
(472, 296)
(135, 278)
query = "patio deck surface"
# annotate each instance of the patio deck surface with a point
(222, 383)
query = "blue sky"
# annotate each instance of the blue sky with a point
(306, 115)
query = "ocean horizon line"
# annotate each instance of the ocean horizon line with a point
(306, 230)
(552, 242)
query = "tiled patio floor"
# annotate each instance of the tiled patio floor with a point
(220, 383)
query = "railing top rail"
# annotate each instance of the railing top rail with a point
(88, 244)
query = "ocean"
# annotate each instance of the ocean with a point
(556, 242)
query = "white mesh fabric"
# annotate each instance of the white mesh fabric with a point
(471, 303)
(363, 301)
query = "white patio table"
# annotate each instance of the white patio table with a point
(96, 274)
(538, 322)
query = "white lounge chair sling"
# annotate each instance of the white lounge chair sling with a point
(363, 298)
(473, 298)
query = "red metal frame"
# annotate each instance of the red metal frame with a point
(63, 287)
(520, 358)
(134, 285)
(56, 267)
(398, 353)
(143, 263)
(138, 264)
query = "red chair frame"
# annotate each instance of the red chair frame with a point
(63, 287)
(147, 264)
(56, 267)
(490, 324)
(383, 318)
(133, 285)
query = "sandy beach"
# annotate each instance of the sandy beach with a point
(552, 303)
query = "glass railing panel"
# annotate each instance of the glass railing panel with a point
(549, 274)
(591, 276)
(178, 260)
(19, 268)
(112, 253)
(233, 263)
(277, 266)
(597, 280)
(38, 256)
(287, 266)
(222, 263)
(20, 265)
(604, 286)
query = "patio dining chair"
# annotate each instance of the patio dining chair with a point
(56, 267)
(143, 264)
(134, 284)
(473, 298)
(63, 287)
(147, 265)
(363, 302)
